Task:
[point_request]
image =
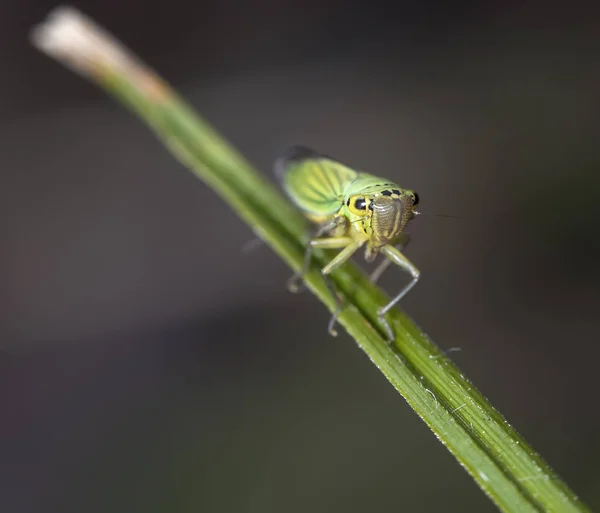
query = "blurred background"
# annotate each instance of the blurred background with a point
(148, 364)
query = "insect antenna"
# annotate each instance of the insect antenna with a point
(435, 215)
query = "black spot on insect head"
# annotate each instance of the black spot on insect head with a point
(360, 204)
(371, 205)
(416, 201)
(386, 193)
(396, 192)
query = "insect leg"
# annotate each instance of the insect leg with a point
(379, 270)
(333, 243)
(252, 244)
(294, 283)
(404, 239)
(350, 248)
(400, 260)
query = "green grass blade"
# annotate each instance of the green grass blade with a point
(514, 476)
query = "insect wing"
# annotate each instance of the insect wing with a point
(315, 183)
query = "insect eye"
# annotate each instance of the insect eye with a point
(360, 204)
(416, 200)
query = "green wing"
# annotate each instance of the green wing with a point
(315, 183)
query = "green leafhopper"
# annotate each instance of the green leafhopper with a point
(352, 209)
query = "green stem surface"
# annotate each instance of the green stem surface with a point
(507, 469)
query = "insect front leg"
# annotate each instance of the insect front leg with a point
(400, 260)
(403, 241)
(295, 282)
(350, 246)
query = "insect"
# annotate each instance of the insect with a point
(352, 209)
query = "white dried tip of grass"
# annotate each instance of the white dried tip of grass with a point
(74, 39)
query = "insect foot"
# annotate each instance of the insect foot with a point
(331, 328)
(295, 284)
(386, 325)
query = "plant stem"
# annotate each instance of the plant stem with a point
(513, 475)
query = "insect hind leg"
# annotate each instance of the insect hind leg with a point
(295, 283)
(349, 248)
(338, 310)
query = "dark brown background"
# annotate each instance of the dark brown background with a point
(149, 365)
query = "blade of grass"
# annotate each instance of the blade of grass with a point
(513, 475)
